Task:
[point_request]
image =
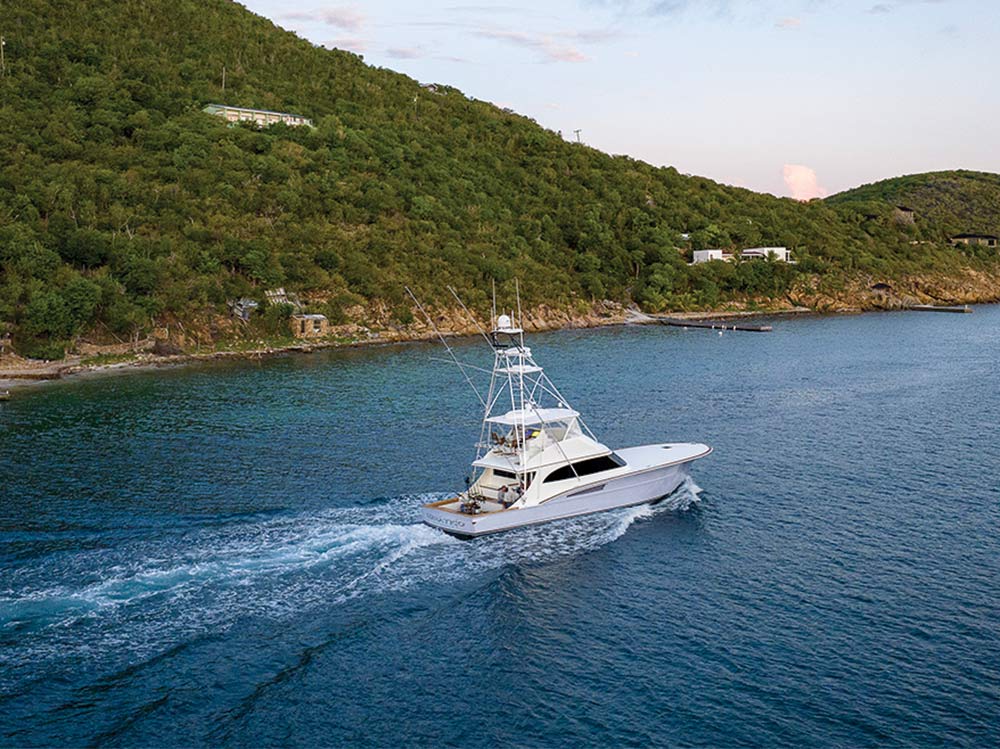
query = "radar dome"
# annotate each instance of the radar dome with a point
(503, 322)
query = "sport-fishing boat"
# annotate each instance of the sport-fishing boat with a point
(537, 461)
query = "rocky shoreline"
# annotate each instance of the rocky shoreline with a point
(16, 373)
(153, 353)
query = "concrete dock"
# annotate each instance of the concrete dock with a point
(964, 309)
(713, 325)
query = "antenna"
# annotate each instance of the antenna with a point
(493, 320)
(577, 131)
(520, 320)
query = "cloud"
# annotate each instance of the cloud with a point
(592, 36)
(504, 9)
(673, 7)
(352, 44)
(565, 54)
(667, 7)
(882, 8)
(555, 46)
(788, 23)
(348, 19)
(405, 53)
(734, 10)
(547, 46)
(802, 182)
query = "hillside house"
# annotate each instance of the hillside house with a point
(983, 240)
(276, 296)
(309, 326)
(705, 256)
(243, 308)
(280, 296)
(261, 117)
(778, 254)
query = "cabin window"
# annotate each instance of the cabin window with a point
(586, 467)
(504, 474)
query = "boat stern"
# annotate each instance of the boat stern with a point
(447, 517)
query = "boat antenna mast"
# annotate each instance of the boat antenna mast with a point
(493, 314)
(520, 317)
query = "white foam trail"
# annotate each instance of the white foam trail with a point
(153, 593)
(276, 547)
(631, 515)
(419, 537)
(686, 495)
(266, 549)
(680, 500)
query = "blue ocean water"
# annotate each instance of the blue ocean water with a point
(229, 554)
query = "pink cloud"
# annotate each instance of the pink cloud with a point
(343, 18)
(404, 53)
(348, 19)
(352, 44)
(545, 45)
(789, 23)
(802, 182)
(565, 54)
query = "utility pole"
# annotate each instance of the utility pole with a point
(3, 62)
(223, 79)
(577, 131)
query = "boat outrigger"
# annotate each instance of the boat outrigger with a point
(537, 461)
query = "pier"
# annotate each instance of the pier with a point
(713, 325)
(964, 309)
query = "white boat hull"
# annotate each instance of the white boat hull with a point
(635, 487)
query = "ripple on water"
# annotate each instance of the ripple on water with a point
(230, 554)
(149, 595)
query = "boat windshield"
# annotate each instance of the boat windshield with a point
(558, 431)
(511, 439)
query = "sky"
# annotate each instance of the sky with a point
(802, 98)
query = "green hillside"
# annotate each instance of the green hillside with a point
(122, 204)
(956, 202)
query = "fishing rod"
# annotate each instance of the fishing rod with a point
(446, 346)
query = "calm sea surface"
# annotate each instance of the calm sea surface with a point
(230, 554)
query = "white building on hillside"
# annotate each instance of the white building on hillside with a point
(704, 256)
(779, 254)
(261, 117)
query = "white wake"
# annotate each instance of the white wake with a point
(143, 592)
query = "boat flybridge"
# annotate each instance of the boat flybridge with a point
(537, 461)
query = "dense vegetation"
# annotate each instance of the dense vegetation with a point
(953, 202)
(122, 203)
